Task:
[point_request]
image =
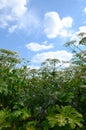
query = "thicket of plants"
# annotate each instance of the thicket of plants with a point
(47, 98)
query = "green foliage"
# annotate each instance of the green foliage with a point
(4, 114)
(22, 114)
(49, 98)
(66, 115)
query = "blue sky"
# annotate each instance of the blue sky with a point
(38, 29)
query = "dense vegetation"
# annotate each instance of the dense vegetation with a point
(44, 99)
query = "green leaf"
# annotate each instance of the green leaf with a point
(4, 114)
(22, 114)
(66, 116)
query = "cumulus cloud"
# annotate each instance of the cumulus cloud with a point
(12, 9)
(54, 25)
(33, 46)
(84, 10)
(65, 33)
(15, 15)
(75, 37)
(61, 55)
(67, 22)
(82, 29)
(17, 7)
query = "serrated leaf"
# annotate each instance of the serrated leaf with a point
(67, 116)
(31, 128)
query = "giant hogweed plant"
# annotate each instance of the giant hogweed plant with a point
(65, 116)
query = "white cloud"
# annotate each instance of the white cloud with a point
(15, 15)
(75, 37)
(82, 29)
(19, 7)
(84, 10)
(61, 55)
(67, 22)
(33, 46)
(54, 26)
(16, 8)
(66, 33)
